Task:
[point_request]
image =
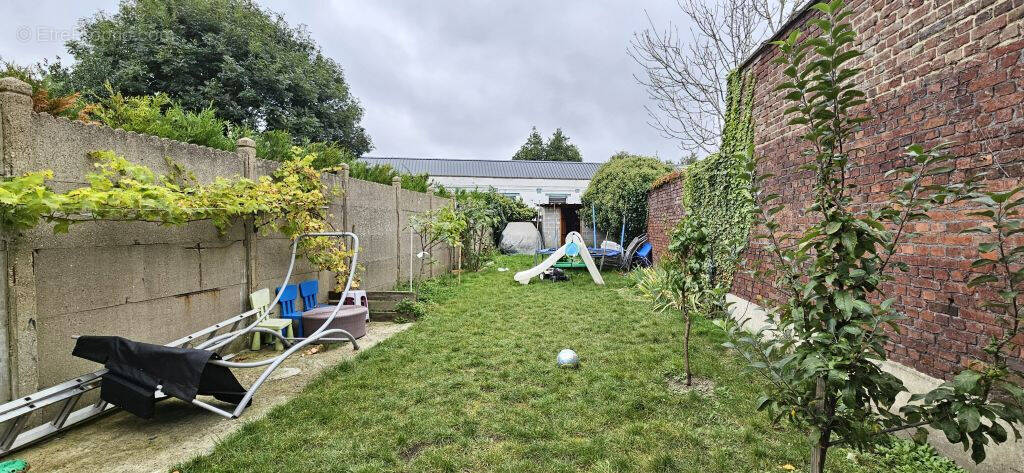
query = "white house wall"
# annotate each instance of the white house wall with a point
(532, 191)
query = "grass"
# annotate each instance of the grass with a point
(473, 387)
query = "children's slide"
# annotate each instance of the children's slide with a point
(574, 245)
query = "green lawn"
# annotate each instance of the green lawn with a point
(473, 387)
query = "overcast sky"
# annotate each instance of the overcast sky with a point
(450, 79)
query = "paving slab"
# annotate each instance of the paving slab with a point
(121, 442)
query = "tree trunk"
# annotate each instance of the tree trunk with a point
(819, 450)
(820, 438)
(686, 351)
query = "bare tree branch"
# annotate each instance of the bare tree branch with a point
(685, 73)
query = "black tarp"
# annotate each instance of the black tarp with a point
(136, 369)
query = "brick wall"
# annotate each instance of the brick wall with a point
(664, 210)
(934, 71)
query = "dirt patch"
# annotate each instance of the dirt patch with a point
(411, 452)
(702, 386)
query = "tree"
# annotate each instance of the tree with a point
(619, 191)
(822, 353)
(533, 149)
(685, 75)
(247, 62)
(558, 148)
(682, 281)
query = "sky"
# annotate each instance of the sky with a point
(450, 79)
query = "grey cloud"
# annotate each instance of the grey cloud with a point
(462, 79)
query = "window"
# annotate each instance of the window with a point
(510, 195)
(557, 198)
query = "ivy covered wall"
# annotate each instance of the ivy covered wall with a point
(716, 190)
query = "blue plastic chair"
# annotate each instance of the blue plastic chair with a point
(644, 254)
(288, 309)
(308, 290)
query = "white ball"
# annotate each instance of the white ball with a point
(568, 359)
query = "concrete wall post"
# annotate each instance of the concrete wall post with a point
(343, 173)
(19, 370)
(396, 183)
(246, 151)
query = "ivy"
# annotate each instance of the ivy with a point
(291, 201)
(716, 190)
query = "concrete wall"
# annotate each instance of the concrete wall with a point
(145, 281)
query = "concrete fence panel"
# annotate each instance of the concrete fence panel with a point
(142, 280)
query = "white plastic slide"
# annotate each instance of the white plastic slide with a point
(573, 243)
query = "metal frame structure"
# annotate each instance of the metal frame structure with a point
(14, 415)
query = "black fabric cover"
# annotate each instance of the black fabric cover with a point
(136, 369)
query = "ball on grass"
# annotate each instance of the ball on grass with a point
(568, 359)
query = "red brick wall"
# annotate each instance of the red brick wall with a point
(934, 71)
(664, 210)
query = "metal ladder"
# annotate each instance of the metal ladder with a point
(14, 415)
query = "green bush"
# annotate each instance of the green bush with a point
(409, 310)
(160, 116)
(619, 188)
(416, 182)
(499, 208)
(274, 145)
(905, 456)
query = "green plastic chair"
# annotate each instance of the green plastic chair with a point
(261, 300)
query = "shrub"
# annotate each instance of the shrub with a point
(501, 209)
(416, 182)
(160, 116)
(905, 456)
(409, 310)
(275, 145)
(443, 225)
(49, 94)
(619, 188)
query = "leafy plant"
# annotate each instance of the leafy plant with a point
(500, 209)
(416, 182)
(409, 310)
(904, 456)
(160, 116)
(822, 354)
(290, 201)
(680, 283)
(443, 225)
(48, 96)
(481, 220)
(618, 192)
(273, 145)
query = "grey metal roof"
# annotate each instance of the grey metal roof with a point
(490, 168)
